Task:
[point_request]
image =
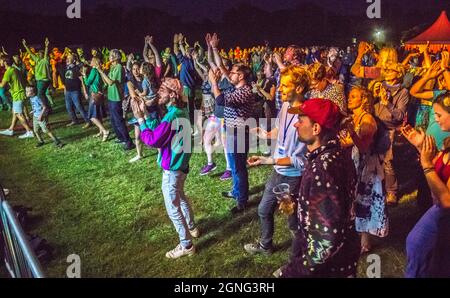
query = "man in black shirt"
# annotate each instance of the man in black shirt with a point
(72, 91)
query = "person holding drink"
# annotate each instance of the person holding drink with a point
(287, 159)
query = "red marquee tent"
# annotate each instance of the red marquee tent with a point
(438, 35)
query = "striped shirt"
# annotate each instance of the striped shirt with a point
(239, 105)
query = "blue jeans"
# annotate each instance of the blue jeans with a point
(269, 204)
(421, 242)
(237, 153)
(118, 122)
(72, 99)
(177, 206)
(238, 165)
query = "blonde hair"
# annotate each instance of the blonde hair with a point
(366, 99)
(298, 75)
(387, 56)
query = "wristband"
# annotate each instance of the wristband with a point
(428, 170)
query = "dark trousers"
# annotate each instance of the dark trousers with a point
(118, 122)
(269, 203)
(389, 173)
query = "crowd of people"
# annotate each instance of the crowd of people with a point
(330, 118)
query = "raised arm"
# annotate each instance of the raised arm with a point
(155, 52)
(445, 66)
(214, 44)
(213, 79)
(145, 50)
(279, 61)
(32, 56)
(199, 70)
(426, 55)
(129, 64)
(210, 54)
(176, 50)
(409, 57)
(357, 68)
(46, 43)
(417, 89)
(181, 45)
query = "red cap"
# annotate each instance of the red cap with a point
(322, 111)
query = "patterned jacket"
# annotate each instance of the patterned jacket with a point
(327, 244)
(239, 105)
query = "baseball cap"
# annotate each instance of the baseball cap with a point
(322, 111)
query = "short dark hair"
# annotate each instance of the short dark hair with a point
(244, 69)
(326, 134)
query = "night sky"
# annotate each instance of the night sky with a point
(281, 22)
(212, 9)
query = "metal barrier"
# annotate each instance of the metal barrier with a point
(19, 258)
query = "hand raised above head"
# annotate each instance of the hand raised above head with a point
(445, 60)
(208, 39)
(435, 70)
(214, 40)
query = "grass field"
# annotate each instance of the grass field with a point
(88, 200)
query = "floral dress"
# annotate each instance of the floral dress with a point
(370, 204)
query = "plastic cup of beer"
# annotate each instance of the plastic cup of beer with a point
(284, 197)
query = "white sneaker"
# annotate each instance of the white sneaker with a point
(6, 191)
(180, 251)
(134, 159)
(28, 134)
(7, 132)
(195, 233)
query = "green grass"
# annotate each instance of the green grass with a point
(88, 200)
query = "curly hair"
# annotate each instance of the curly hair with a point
(366, 99)
(298, 75)
(317, 71)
